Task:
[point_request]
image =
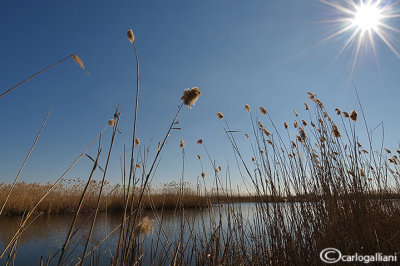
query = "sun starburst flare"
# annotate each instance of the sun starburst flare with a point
(365, 21)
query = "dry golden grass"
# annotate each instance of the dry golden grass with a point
(65, 197)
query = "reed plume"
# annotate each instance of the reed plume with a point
(263, 110)
(190, 96)
(131, 36)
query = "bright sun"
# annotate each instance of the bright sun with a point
(367, 17)
(364, 22)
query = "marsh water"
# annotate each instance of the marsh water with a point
(49, 232)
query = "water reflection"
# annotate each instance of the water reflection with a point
(50, 231)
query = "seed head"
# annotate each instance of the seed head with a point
(220, 115)
(263, 110)
(138, 165)
(182, 144)
(266, 132)
(247, 107)
(337, 110)
(303, 135)
(111, 122)
(247, 135)
(203, 175)
(362, 173)
(78, 61)
(335, 131)
(137, 141)
(307, 107)
(131, 36)
(317, 101)
(145, 226)
(311, 95)
(190, 96)
(199, 156)
(345, 114)
(200, 141)
(353, 115)
(286, 125)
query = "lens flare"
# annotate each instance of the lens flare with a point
(364, 22)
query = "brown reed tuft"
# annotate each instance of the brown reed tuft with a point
(182, 144)
(137, 141)
(138, 165)
(353, 115)
(190, 96)
(303, 135)
(304, 122)
(111, 122)
(345, 114)
(335, 131)
(337, 110)
(320, 104)
(145, 226)
(131, 36)
(263, 110)
(295, 113)
(266, 132)
(203, 175)
(200, 141)
(295, 124)
(311, 95)
(199, 156)
(78, 61)
(260, 125)
(294, 144)
(286, 125)
(307, 107)
(247, 107)
(253, 159)
(220, 115)
(247, 135)
(362, 173)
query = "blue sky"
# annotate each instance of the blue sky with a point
(260, 53)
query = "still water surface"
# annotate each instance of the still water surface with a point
(49, 232)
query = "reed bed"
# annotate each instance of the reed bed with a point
(65, 197)
(313, 184)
